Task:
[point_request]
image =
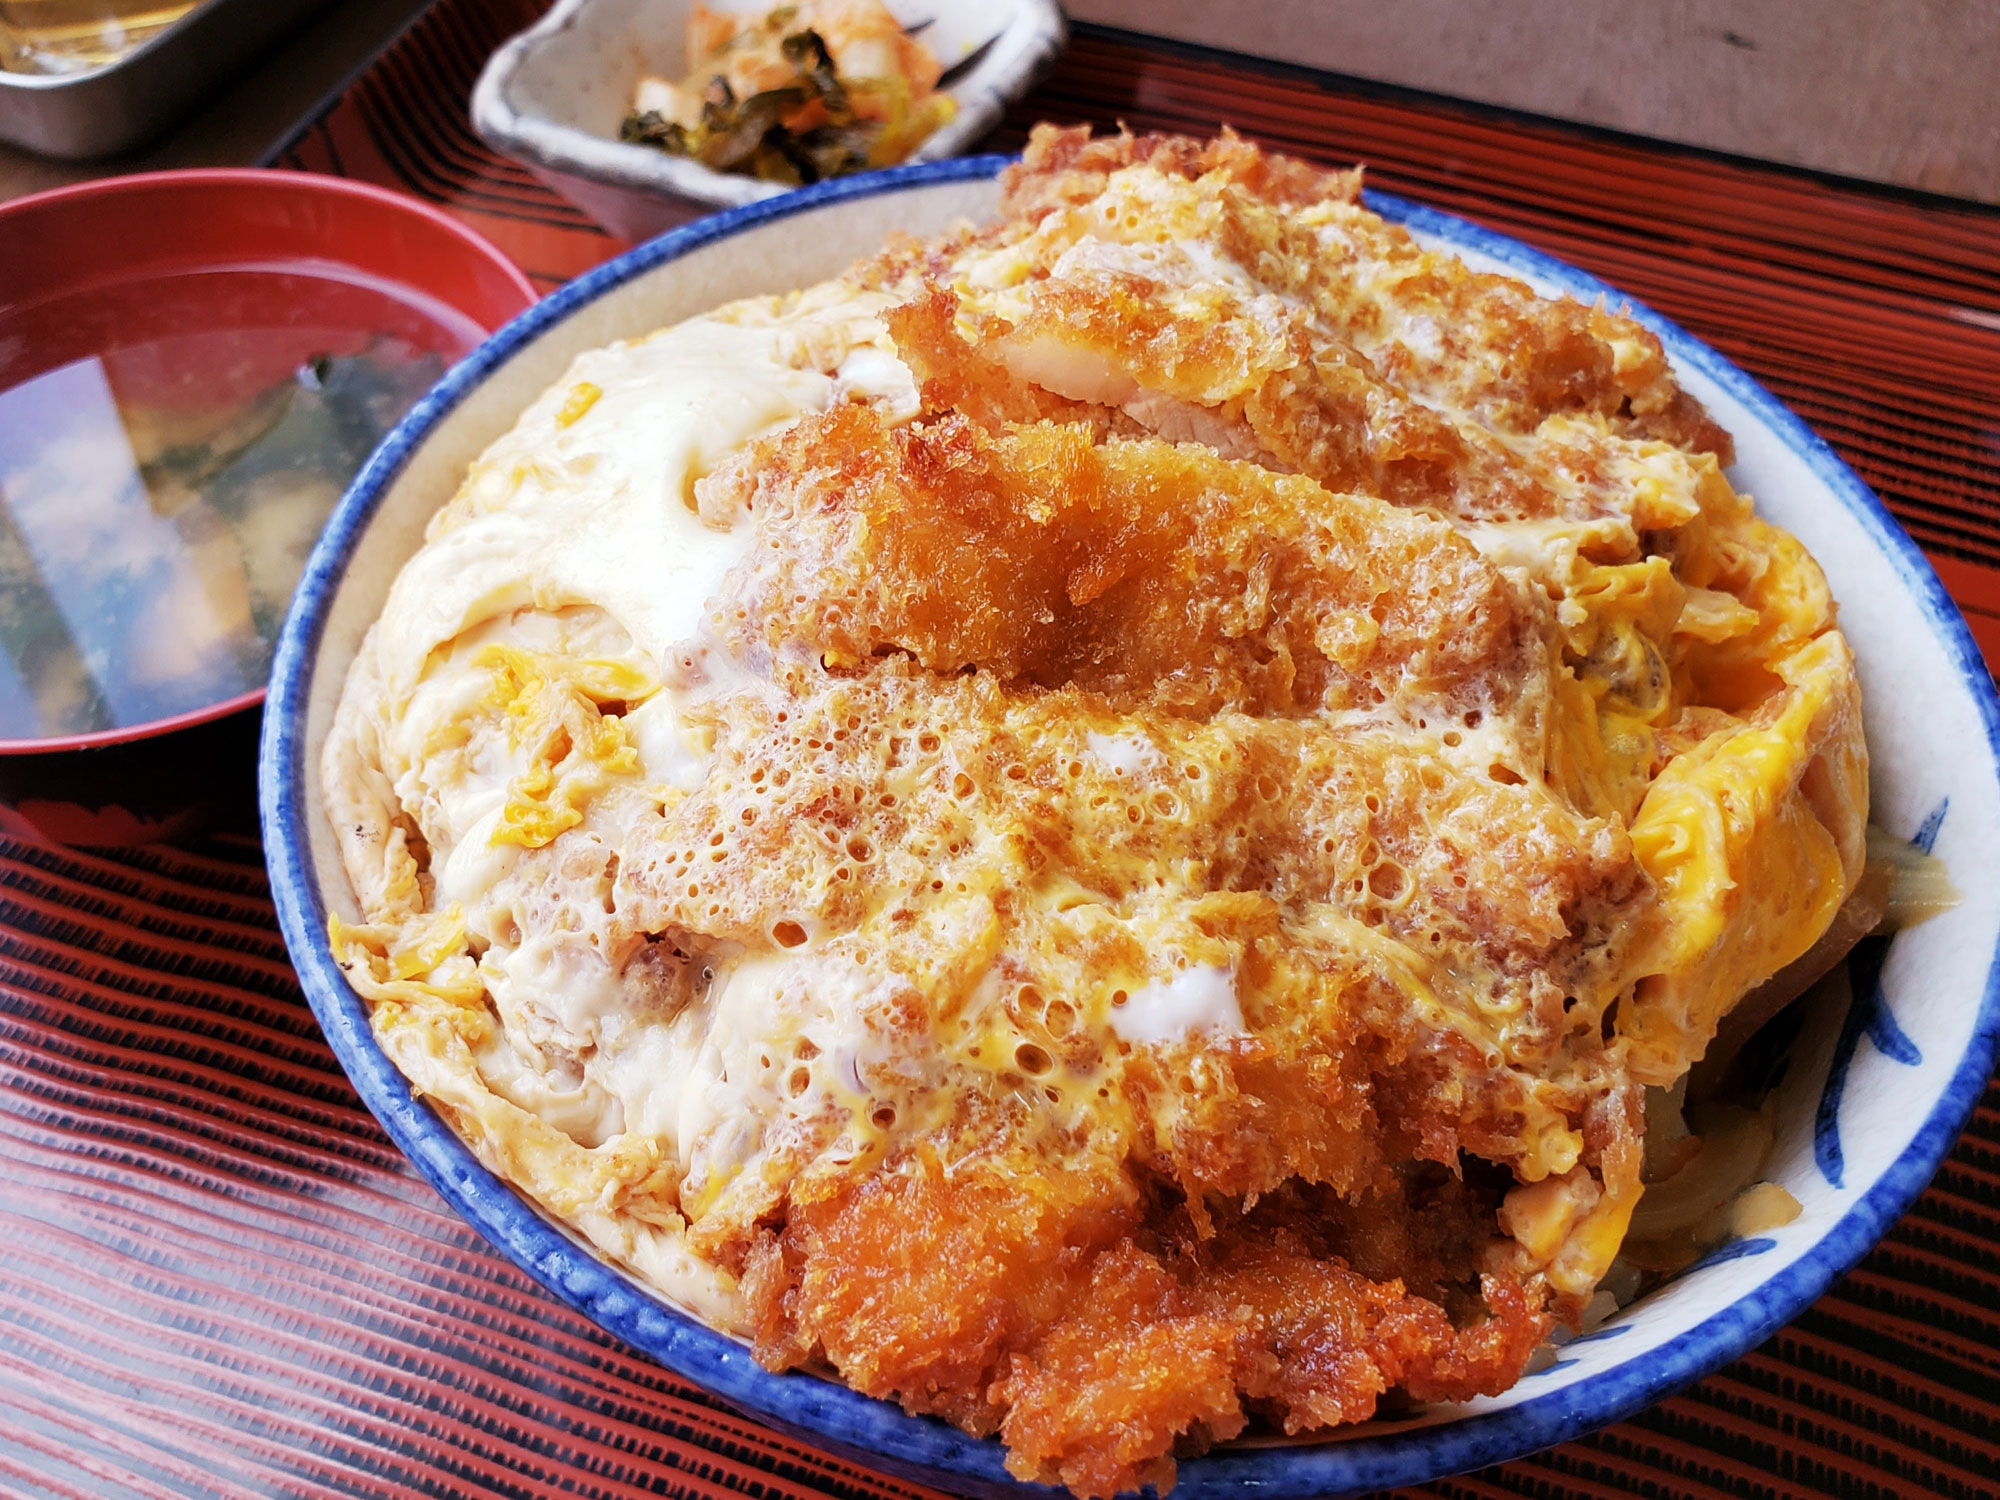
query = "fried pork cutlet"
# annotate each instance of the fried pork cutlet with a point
(1098, 828)
(1142, 570)
(1447, 335)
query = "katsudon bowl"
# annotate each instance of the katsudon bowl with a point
(1873, 1090)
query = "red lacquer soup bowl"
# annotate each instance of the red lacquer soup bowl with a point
(193, 365)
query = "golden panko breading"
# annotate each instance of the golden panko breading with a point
(1100, 827)
(1142, 570)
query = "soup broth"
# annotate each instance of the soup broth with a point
(168, 456)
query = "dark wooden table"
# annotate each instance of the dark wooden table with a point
(217, 1277)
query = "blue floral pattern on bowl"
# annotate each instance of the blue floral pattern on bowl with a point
(1868, 1015)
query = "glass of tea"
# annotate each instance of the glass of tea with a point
(70, 36)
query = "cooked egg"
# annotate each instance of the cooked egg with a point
(1158, 777)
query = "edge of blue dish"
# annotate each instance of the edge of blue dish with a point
(877, 1433)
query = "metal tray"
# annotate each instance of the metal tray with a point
(108, 109)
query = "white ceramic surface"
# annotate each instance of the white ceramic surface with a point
(1874, 1095)
(554, 97)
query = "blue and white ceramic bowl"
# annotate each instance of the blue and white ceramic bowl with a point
(1871, 1102)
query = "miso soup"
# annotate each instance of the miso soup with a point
(169, 452)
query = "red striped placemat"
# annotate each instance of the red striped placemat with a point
(217, 1276)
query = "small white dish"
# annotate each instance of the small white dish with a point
(554, 97)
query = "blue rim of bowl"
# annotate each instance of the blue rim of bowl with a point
(877, 1433)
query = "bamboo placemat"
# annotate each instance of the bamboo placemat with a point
(217, 1277)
